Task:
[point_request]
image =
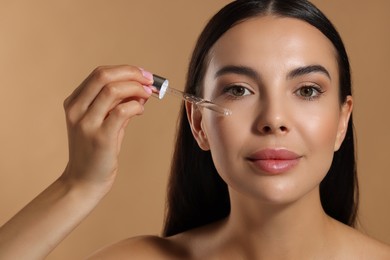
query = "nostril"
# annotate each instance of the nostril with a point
(267, 129)
(283, 129)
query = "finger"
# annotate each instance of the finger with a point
(101, 76)
(79, 101)
(121, 135)
(112, 95)
(121, 115)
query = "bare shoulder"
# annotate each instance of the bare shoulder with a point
(370, 248)
(142, 247)
(185, 245)
(361, 245)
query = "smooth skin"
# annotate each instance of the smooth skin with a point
(273, 216)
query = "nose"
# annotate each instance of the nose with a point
(273, 118)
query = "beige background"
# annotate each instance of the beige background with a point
(47, 47)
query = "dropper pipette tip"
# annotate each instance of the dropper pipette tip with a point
(162, 86)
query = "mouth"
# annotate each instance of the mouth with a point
(274, 161)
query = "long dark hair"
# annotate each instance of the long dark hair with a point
(196, 193)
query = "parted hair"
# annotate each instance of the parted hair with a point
(196, 193)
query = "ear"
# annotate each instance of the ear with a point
(194, 116)
(345, 114)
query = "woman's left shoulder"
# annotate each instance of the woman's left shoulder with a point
(361, 245)
(370, 248)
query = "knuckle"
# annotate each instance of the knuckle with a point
(101, 74)
(70, 116)
(73, 114)
(84, 127)
(121, 111)
(138, 108)
(127, 110)
(110, 90)
(133, 69)
(98, 69)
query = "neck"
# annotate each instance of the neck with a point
(270, 229)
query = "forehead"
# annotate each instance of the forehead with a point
(274, 43)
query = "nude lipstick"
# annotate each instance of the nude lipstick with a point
(274, 161)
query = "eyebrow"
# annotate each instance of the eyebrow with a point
(300, 71)
(241, 70)
(247, 71)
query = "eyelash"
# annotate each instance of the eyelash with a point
(229, 91)
(317, 90)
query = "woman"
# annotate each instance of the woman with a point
(274, 180)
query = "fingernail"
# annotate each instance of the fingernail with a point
(147, 74)
(148, 90)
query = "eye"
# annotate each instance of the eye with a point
(237, 91)
(309, 92)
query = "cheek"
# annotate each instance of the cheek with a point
(226, 136)
(318, 134)
(320, 130)
(222, 132)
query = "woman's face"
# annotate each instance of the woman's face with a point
(279, 77)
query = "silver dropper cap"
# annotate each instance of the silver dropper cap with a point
(161, 84)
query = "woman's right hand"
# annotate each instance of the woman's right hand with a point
(97, 113)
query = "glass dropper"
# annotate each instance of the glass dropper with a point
(162, 85)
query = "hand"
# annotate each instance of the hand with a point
(97, 113)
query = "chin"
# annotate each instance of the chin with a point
(276, 193)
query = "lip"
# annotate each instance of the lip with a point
(274, 161)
